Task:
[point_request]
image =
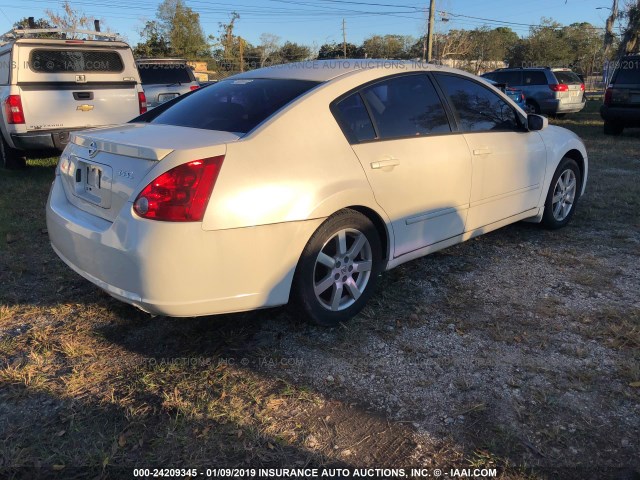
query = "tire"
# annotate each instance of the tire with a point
(11, 158)
(563, 195)
(338, 269)
(533, 107)
(612, 128)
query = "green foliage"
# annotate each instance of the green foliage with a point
(330, 51)
(154, 43)
(293, 52)
(39, 23)
(578, 46)
(180, 26)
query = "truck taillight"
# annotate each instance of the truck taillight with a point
(13, 109)
(142, 101)
(582, 87)
(180, 194)
(194, 87)
(559, 87)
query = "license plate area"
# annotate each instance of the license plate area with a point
(93, 182)
(165, 97)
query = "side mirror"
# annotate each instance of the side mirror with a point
(537, 122)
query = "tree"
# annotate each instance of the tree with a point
(69, 19)
(334, 50)
(293, 52)
(39, 23)
(388, 46)
(181, 26)
(154, 42)
(268, 48)
(630, 41)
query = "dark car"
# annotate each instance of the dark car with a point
(621, 107)
(164, 79)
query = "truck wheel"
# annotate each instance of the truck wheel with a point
(12, 159)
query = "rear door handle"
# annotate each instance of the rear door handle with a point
(392, 162)
(482, 151)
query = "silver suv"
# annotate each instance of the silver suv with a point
(164, 79)
(553, 91)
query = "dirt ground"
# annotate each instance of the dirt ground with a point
(518, 350)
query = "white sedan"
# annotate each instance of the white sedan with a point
(302, 183)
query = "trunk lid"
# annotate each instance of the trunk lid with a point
(102, 168)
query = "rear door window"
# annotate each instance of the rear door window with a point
(165, 74)
(75, 61)
(235, 106)
(406, 106)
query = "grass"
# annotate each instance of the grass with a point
(91, 382)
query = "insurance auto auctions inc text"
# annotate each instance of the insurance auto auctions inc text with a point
(376, 473)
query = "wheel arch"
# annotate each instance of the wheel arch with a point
(575, 154)
(381, 228)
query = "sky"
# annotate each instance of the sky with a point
(315, 22)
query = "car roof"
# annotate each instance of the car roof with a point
(325, 70)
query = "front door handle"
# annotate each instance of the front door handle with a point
(482, 151)
(392, 162)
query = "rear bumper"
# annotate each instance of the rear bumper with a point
(177, 269)
(555, 106)
(42, 140)
(628, 117)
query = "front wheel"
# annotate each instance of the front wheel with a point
(338, 269)
(563, 195)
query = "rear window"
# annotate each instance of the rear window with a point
(567, 78)
(233, 105)
(165, 74)
(76, 61)
(628, 71)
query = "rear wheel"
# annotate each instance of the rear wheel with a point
(12, 159)
(338, 269)
(612, 128)
(563, 195)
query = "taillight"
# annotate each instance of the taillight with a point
(559, 87)
(608, 96)
(181, 194)
(142, 102)
(522, 97)
(13, 109)
(582, 87)
(194, 87)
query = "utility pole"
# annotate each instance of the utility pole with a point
(241, 54)
(344, 40)
(432, 14)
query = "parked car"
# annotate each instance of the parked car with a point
(51, 87)
(301, 183)
(513, 93)
(164, 79)
(621, 107)
(552, 91)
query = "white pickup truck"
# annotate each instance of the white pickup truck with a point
(51, 87)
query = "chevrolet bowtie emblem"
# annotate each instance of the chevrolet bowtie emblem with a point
(84, 108)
